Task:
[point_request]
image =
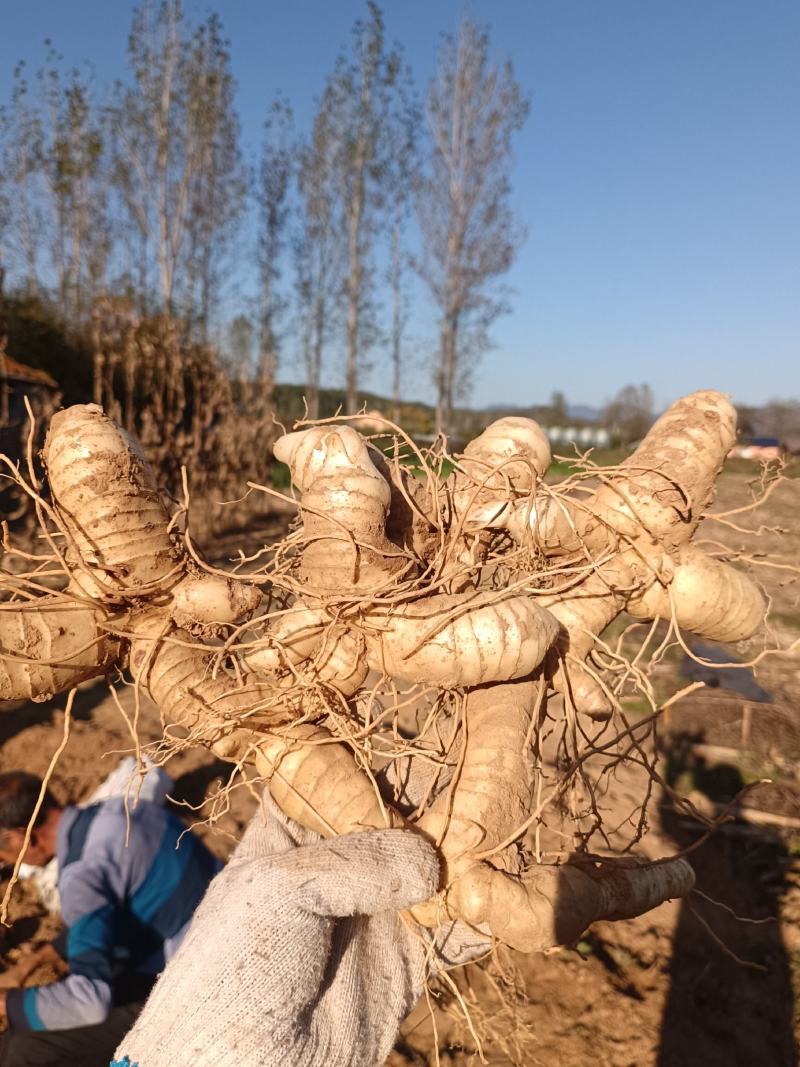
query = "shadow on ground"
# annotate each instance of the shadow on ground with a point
(721, 1010)
(18, 716)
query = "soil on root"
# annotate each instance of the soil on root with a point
(657, 991)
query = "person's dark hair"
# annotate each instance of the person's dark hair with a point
(19, 792)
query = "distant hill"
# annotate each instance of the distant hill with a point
(418, 419)
(503, 409)
(415, 417)
(583, 413)
(576, 412)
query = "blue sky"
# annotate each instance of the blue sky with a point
(658, 175)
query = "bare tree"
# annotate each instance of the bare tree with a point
(402, 173)
(401, 169)
(5, 209)
(558, 405)
(74, 173)
(779, 418)
(151, 165)
(219, 181)
(55, 232)
(366, 98)
(5, 217)
(274, 179)
(177, 164)
(400, 314)
(630, 414)
(474, 109)
(21, 163)
(238, 358)
(317, 252)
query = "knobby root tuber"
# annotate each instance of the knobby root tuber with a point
(489, 588)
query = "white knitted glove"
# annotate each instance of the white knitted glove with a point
(297, 955)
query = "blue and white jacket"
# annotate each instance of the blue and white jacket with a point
(129, 904)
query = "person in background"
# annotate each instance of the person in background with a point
(129, 883)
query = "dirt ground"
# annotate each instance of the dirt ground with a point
(689, 984)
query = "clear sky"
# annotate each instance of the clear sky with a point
(658, 174)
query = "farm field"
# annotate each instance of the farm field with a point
(400, 431)
(687, 984)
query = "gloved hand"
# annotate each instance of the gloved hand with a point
(297, 955)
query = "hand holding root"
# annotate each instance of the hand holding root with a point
(488, 589)
(305, 961)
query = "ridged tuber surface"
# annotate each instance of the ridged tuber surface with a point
(710, 598)
(664, 487)
(493, 789)
(544, 905)
(181, 681)
(658, 493)
(497, 468)
(315, 781)
(583, 613)
(553, 905)
(121, 554)
(448, 640)
(512, 447)
(644, 514)
(48, 645)
(106, 497)
(444, 639)
(290, 639)
(311, 647)
(460, 639)
(344, 506)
